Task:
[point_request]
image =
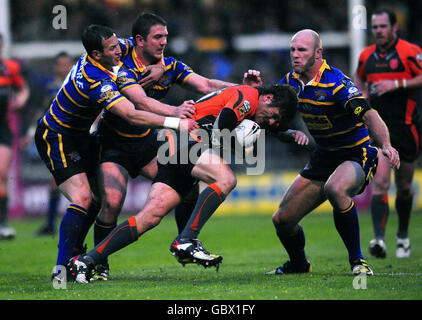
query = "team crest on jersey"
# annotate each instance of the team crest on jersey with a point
(320, 95)
(419, 57)
(106, 88)
(244, 108)
(394, 63)
(74, 156)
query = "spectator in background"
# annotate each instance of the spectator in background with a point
(389, 72)
(13, 96)
(50, 86)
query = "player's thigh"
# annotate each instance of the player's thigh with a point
(382, 179)
(77, 190)
(302, 196)
(149, 171)
(5, 160)
(347, 180)
(161, 199)
(112, 182)
(211, 168)
(404, 176)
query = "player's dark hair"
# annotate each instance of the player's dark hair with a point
(285, 98)
(93, 36)
(144, 22)
(391, 15)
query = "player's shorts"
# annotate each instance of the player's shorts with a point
(405, 139)
(66, 156)
(6, 136)
(323, 163)
(131, 153)
(173, 170)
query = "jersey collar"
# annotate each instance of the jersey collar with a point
(315, 81)
(111, 74)
(138, 63)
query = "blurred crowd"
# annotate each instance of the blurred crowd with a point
(31, 20)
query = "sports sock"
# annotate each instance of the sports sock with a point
(4, 200)
(92, 212)
(102, 230)
(404, 208)
(53, 205)
(69, 232)
(295, 247)
(182, 214)
(208, 201)
(121, 236)
(347, 225)
(379, 212)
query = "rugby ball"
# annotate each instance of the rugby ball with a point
(247, 132)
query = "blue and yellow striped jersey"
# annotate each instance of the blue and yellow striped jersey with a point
(87, 89)
(175, 72)
(322, 104)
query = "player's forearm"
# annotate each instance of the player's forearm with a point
(414, 83)
(215, 84)
(152, 105)
(377, 128)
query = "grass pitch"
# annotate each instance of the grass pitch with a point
(146, 270)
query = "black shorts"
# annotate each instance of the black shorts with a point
(405, 139)
(66, 156)
(132, 154)
(323, 163)
(6, 135)
(174, 170)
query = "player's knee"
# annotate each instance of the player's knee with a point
(227, 183)
(112, 202)
(334, 190)
(281, 220)
(381, 184)
(82, 199)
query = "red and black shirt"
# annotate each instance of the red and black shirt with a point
(402, 61)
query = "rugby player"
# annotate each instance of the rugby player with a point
(13, 95)
(62, 136)
(128, 150)
(389, 73)
(337, 116)
(224, 109)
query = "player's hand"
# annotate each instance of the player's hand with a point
(185, 110)
(392, 155)
(384, 86)
(301, 138)
(188, 125)
(151, 75)
(252, 78)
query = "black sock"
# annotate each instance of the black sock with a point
(208, 201)
(379, 212)
(3, 209)
(92, 212)
(295, 247)
(121, 236)
(182, 214)
(404, 208)
(102, 230)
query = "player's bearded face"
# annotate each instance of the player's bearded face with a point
(302, 57)
(382, 30)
